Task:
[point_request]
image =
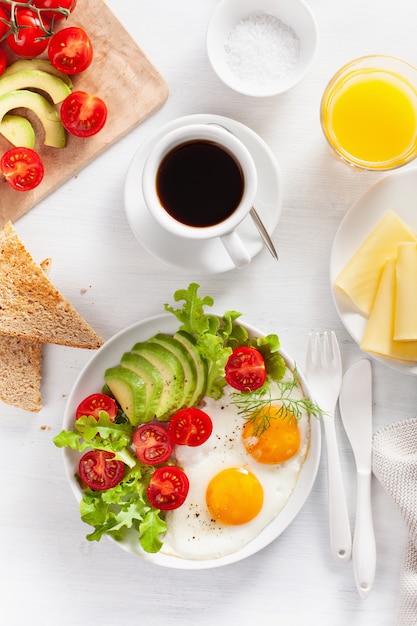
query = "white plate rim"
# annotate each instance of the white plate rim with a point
(90, 379)
(394, 192)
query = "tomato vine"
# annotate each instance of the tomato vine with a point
(46, 15)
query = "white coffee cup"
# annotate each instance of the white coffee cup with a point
(198, 140)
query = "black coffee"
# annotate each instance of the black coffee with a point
(199, 183)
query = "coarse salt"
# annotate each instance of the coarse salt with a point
(261, 49)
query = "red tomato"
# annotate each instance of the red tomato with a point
(92, 405)
(245, 369)
(83, 115)
(53, 5)
(3, 61)
(167, 488)
(190, 427)
(4, 27)
(70, 50)
(31, 38)
(22, 168)
(152, 444)
(99, 470)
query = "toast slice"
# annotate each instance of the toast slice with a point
(21, 368)
(20, 372)
(30, 305)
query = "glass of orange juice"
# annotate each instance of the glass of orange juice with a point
(369, 112)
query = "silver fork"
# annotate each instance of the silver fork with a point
(324, 374)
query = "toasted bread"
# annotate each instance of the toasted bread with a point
(20, 372)
(20, 369)
(30, 305)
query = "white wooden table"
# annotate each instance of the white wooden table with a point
(49, 573)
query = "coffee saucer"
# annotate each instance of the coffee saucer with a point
(209, 256)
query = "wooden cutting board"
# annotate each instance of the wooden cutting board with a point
(122, 76)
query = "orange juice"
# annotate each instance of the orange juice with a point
(369, 114)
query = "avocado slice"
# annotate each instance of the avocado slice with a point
(129, 389)
(55, 135)
(36, 64)
(151, 377)
(201, 366)
(172, 375)
(35, 79)
(188, 365)
(18, 130)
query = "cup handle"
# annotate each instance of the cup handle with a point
(235, 248)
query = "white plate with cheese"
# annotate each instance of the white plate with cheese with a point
(394, 196)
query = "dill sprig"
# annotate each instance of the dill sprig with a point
(252, 405)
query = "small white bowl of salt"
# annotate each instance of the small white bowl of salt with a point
(262, 47)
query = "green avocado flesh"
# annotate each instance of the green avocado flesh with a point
(158, 377)
(54, 131)
(129, 390)
(188, 365)
(152, 380)
(56, 88)
(36, 64)
(18, 130)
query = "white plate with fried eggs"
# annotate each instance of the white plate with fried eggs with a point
(193, 539)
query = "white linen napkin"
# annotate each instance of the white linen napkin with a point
(395, 465)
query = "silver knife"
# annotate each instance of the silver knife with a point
(355, 404)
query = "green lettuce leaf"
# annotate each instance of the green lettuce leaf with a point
(116, 511)
(102, 434)
(216, 337)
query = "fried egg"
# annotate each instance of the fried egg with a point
(239, 481)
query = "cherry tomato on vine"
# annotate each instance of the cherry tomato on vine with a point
(152, 444)
(31, 38)
(53, 14)
(96, 402)
(99, 470)
(4, 19)
(70, 50)
(245, 369)
(167, 488)
(22, 168)
(6, 8)
(83, 115)
(190, 427)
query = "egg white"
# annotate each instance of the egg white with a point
(192, 533)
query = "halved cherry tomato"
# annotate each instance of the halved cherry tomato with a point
(245, 369)
(32, 37)
(22, 168)
(99, 470)
(190, 427)
(53, 14)
(96, 402)
(83, 115)
(167, 488)
(152, 444)
(70, 50)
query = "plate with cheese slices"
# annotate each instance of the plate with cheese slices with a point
(373, 271)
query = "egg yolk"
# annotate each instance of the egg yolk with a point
(278, 442)
(234, 496)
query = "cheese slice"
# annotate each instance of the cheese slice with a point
(378, 335)
(359, 278)
(405, 322)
